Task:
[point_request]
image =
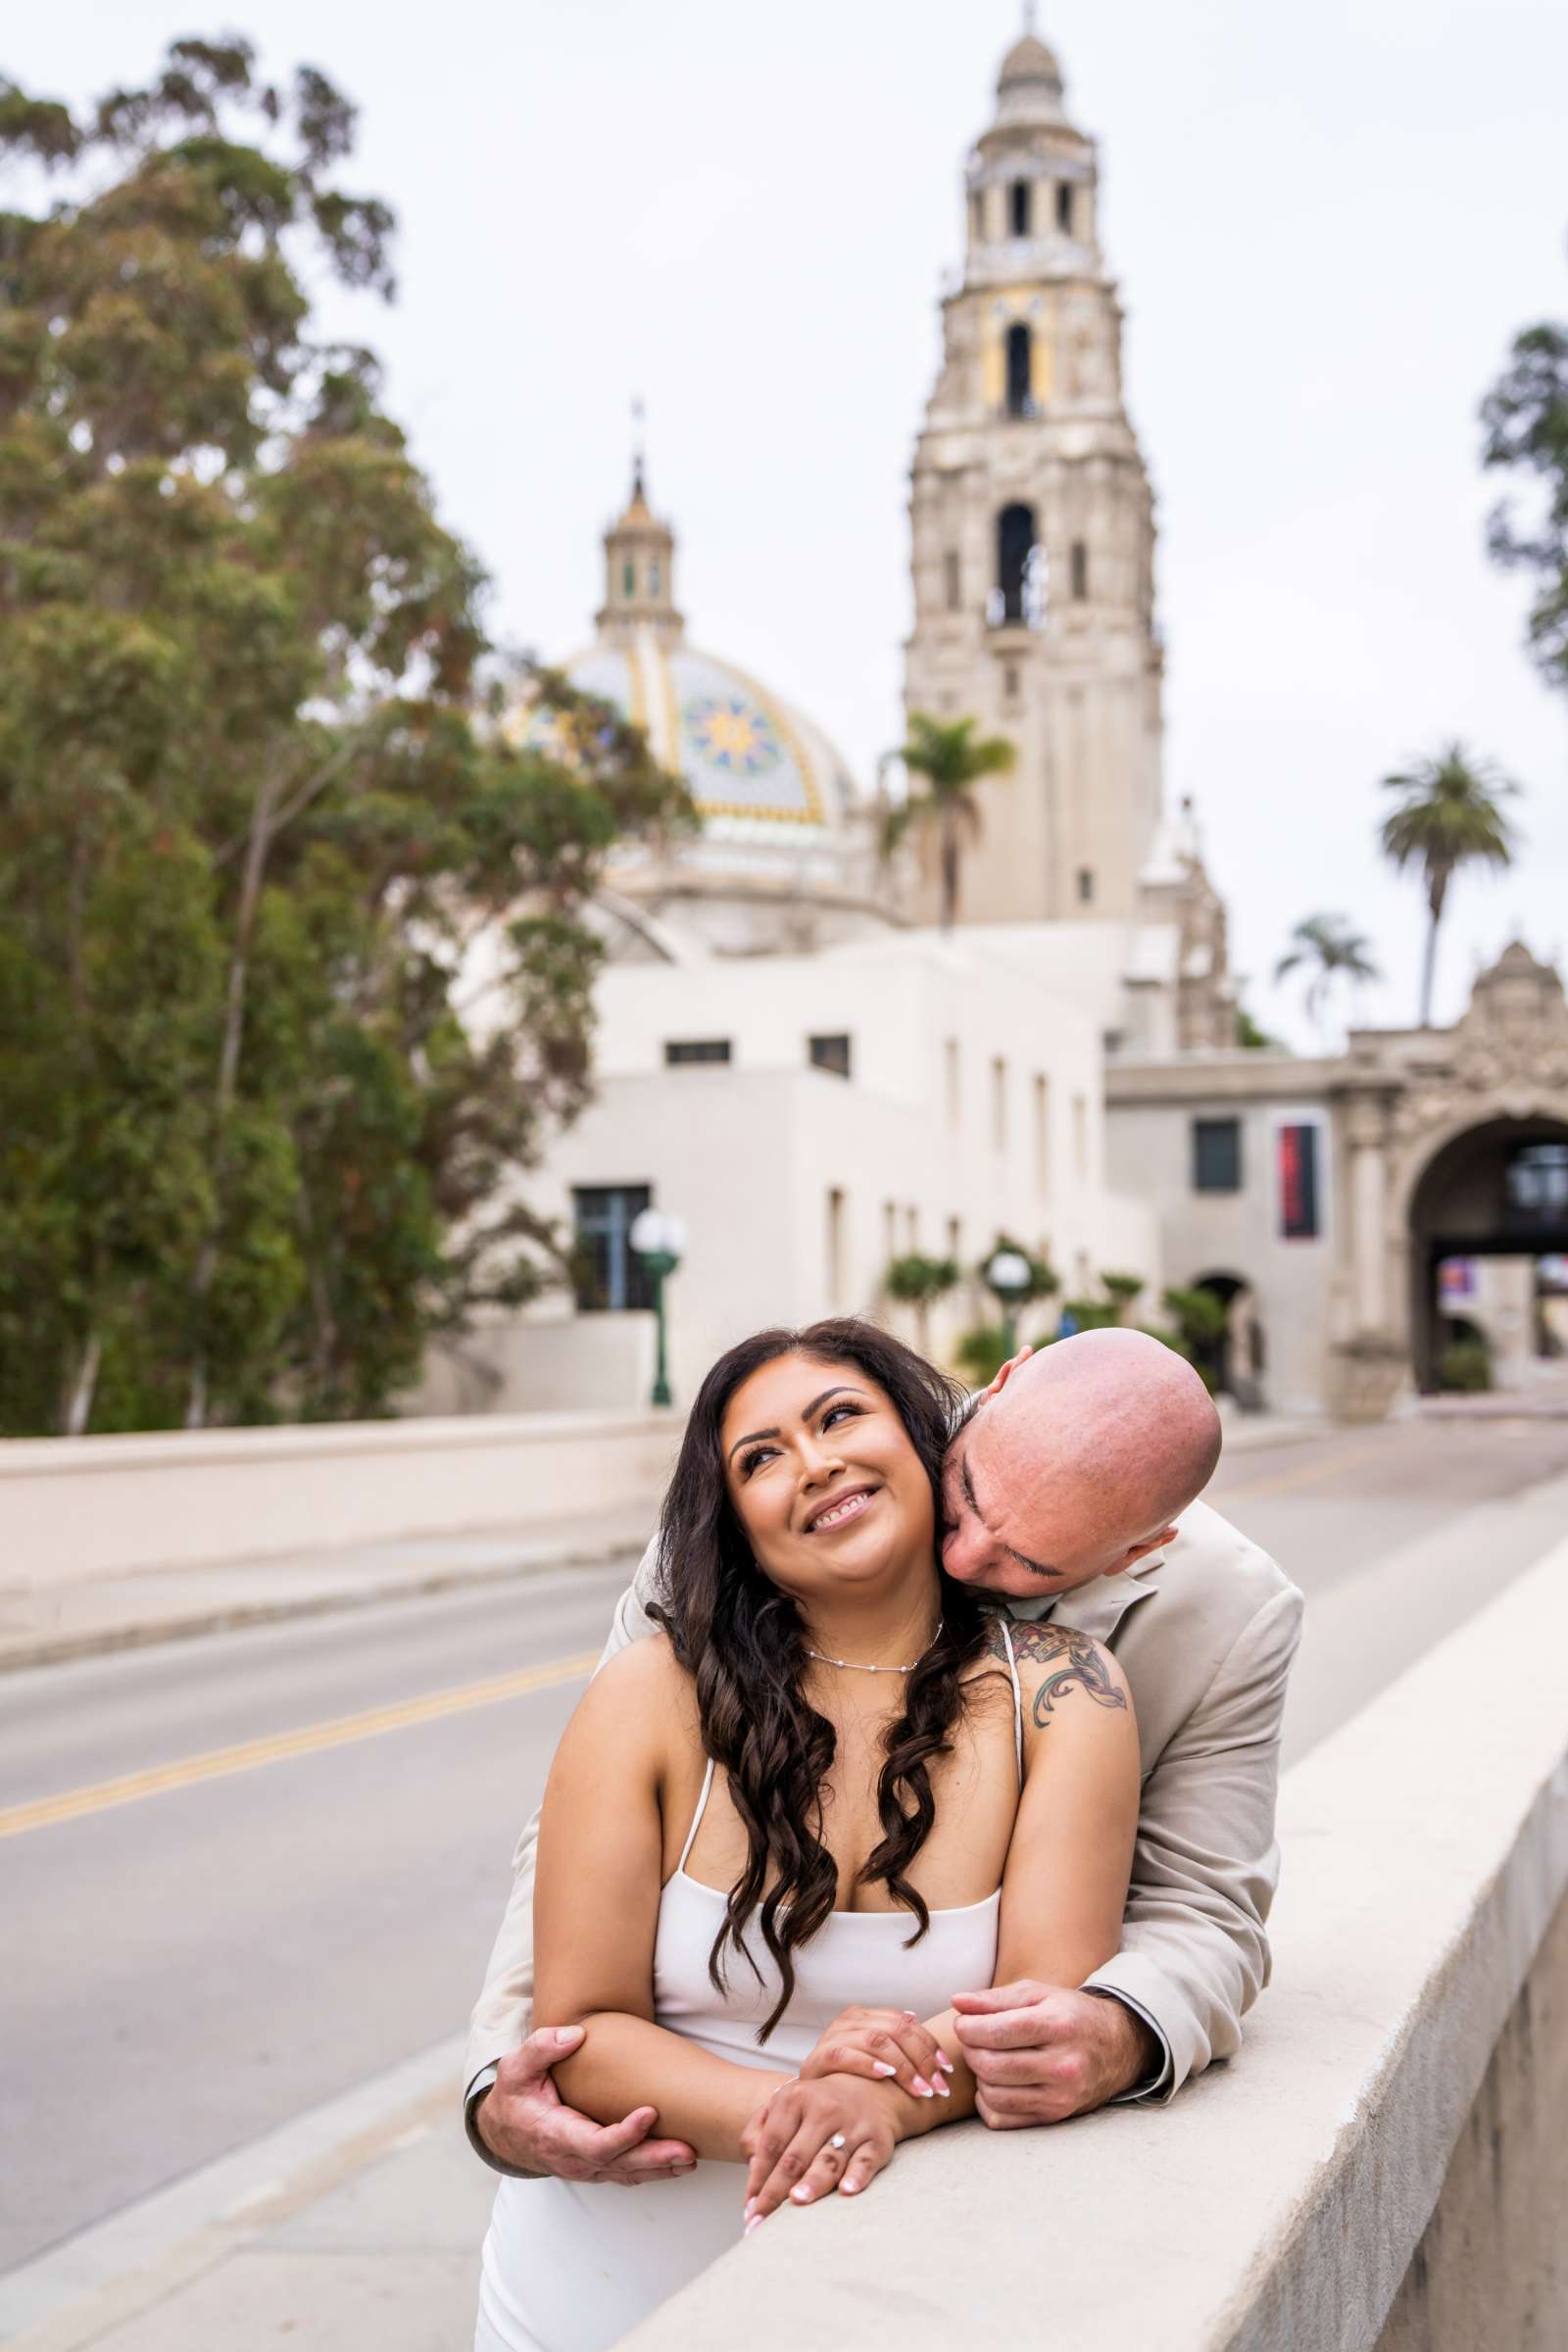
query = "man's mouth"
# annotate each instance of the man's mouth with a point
(840, 1509)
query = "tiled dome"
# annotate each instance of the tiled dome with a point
(758, 773)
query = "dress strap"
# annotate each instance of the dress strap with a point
(1017, 1696)
(696, 1817)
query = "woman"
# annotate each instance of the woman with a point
(786, 1831)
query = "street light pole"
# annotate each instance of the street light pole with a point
(1009, 1276)
(659, 1242)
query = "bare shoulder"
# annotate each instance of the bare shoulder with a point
(642, 1690)
(1061, 1672)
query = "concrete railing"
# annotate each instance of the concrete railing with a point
(72, 1507)
(1384, 2166)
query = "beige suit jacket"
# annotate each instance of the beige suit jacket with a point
(1205, 1632)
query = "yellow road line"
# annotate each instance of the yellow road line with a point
(282, 1747)
(1285, 1481)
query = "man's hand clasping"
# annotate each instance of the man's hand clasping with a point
(524, 2120)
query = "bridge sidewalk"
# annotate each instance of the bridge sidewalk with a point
(41, 1626)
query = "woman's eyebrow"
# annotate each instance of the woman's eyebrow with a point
(842, 1389)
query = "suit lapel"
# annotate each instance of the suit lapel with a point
(1097, 1608)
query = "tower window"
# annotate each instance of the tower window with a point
(1079, 564)
(1019, 193)
(1064, 205)
(977, 217)
(1015, 540)
(1020, 367)
(1085, 885)
(951, 579)
(653, 576)
(628, 579)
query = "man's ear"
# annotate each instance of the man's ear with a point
(1140, 1552)
(1007, 1372)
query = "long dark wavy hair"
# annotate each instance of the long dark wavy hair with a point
(742, 1640)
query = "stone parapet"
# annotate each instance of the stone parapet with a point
(80, 1507)
(1326, 2192)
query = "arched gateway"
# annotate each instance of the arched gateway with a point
(1457, 1149)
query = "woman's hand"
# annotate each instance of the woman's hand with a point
(883, 2045)
(811, 2138)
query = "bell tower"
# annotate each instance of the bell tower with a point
(1033, 527)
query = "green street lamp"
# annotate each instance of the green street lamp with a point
(1009, 1274)
(659, 1242)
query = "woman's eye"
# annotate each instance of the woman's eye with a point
(836, 1412)
(753, 1460)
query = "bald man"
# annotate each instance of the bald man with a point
(1070, 1499)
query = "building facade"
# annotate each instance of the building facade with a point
(1358, 1214)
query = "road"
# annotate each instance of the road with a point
(301, 1887)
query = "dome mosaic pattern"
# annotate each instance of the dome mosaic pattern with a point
(755, 769)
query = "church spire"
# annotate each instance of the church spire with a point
(639, 559)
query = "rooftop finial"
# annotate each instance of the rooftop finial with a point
(638, 420)
(1029, 16)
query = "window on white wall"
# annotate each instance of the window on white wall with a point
(951, 1079)
(1042, 1135)
(606, 1274)
(998, 1103)
(1080, 1138)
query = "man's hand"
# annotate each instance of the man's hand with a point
(1042, 2052)
(522, 2119)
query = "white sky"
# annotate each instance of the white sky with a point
(1325, 224)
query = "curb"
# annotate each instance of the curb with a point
(71, 2295)
(61, 1650)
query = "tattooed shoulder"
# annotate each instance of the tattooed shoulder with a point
(1070, 1660)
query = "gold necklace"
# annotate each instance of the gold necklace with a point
(851, 1666)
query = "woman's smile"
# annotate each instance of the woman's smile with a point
(841, 1509)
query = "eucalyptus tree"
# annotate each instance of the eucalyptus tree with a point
(251, 813)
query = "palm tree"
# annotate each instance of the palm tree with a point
(1326, 948)
(946, 754)
(1450, 816)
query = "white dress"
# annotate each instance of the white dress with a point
(572, 2267)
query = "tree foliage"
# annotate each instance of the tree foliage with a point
(1525, 422)
(1449, 814)
(1328, 950)
(294, 971)
(950, 759)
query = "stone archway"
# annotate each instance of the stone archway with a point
(1498, 1190)
(1233, 1359)
(1427, 1120)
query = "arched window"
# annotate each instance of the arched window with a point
(1064, 205)
(1019, 193)
(1015, 539)
(653, 576)
(1019, 370)
(1080, 572)
(628, 578)
(977, 217)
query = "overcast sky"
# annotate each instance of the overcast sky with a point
(1325, 225)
